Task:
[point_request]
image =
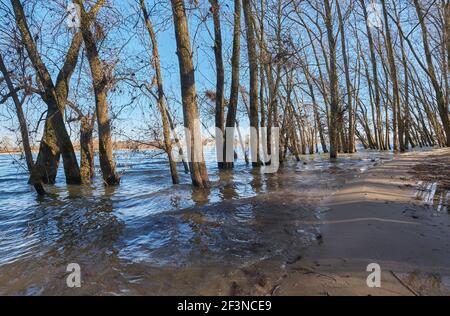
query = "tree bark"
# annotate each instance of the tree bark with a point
(373, 59)
(351, 123)
(220, 75)
(442, 106)
(398, 132)
(87, 149)
(447, 32)
(37, 182)
(49, 151)
(234, 91)
(334, 93)
(161, 98)
(253, 63)
(60, 140)
(407, 115)
(197, 164)
(99, 80)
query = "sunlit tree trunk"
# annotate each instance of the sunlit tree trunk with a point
(253, 64)
(447, 31)
(442, 106)
(99, 81)
(87, 149)
(376, 83)
(36, 181)
(397, 126)
(161, 98)
(334, 93)
(220, 74)
(234, 93)
(406, 110)
(59, 141)
(351, 123)
(197, 164)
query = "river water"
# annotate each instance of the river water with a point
(137, 237)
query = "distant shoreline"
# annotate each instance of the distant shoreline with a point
(118, 146)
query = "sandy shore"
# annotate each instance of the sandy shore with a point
(379, 218)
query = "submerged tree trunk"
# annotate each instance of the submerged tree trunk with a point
(220, 77)
(99, 80)
(253, 63)
(197, 164)
(334, 99)
(351, 123)
(60, 140)
(87, 149)
(49, 151)
(234, 93)
(36, 181)
(161, 98)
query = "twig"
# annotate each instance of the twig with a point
(405, 285)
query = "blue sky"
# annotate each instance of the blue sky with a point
(133, 41)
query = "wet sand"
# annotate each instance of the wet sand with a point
(378, 217)
(381, 218)
(311, 229)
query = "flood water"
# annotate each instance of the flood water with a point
(124, 237)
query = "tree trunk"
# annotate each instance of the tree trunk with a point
(197, 164)
(220, 78)
(161, 98)
(334, 93)
(253, 64)
(99, 80)
(407, 115)
(351, 124)
(37, 182)
(55, 108)
(49, 153)
(375, 79)
(398, 132)
(234, 93)
(87, 149)
(447, 32)
(442, 106)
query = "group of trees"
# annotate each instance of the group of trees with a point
(328, 73)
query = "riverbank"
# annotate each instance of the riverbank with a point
(311, 229)
(384, 216)
(395, 216)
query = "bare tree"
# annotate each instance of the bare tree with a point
(220, 73)
(34, 175)
(234, 90)
(253, 63)
(197, 164)
(59, 141)
(100, 83)
(160, 95)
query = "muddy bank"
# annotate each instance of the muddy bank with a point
(377, 216)
(311, 229)
(386, 217)
(436, 169)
